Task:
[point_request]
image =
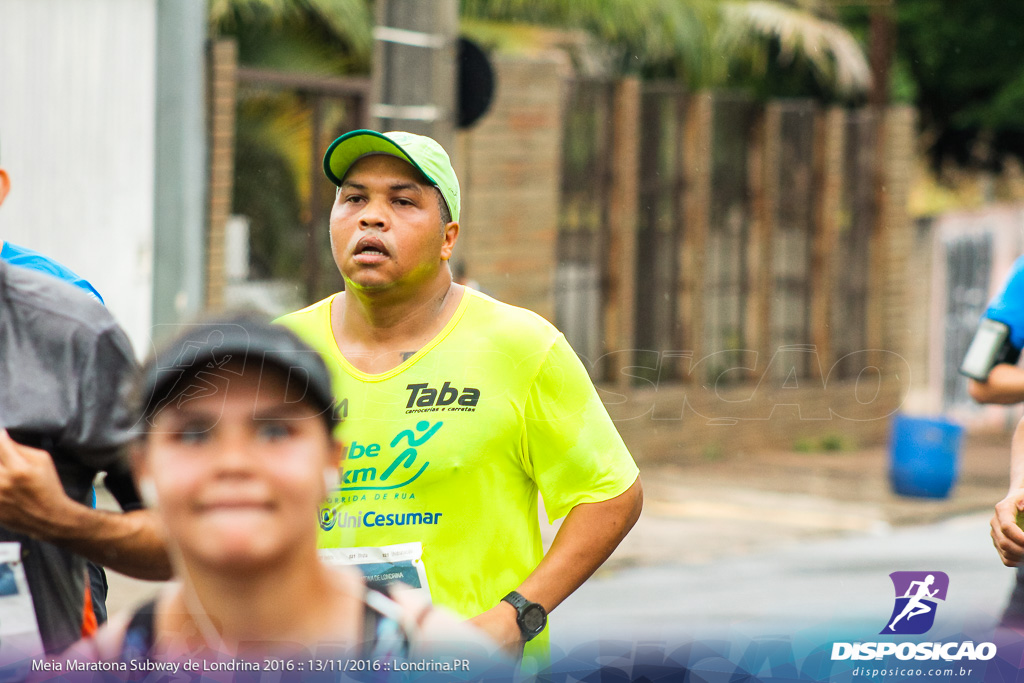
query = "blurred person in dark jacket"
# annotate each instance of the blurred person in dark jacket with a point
(64, 365)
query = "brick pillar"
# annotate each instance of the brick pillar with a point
(829, 144)
(509, 169)
(620, 310)
(221, 84)
(697, 136)
(877, 258)
(897, 235)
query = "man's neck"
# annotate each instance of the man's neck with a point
(377, 331)
(366, 318)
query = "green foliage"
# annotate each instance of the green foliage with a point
(804, 445)
(962, 64)
(829, 443)
(707, 43)
(969, 67)
(265, 192)
(712, 452)
(822, 51)
(643, 32)
(835, 442)
(273, 132)
(326, 36)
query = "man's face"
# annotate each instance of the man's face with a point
(386, 227)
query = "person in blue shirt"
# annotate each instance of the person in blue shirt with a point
(29, 259)
(33, 260)
(999, 380)
(1005, 381)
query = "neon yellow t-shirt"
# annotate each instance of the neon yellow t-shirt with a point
(451, 447)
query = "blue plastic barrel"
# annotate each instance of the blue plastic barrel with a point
(924, 456)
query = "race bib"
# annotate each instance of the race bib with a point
(19, 630)
(385, 566)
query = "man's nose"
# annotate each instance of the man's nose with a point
(373, 215)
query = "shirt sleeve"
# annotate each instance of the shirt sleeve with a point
(572, 446)
(1007, 307)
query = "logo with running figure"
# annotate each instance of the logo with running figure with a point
(917, 594)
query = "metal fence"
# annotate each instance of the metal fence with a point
(792, 236)
(968, 272)
(285, 121)
(726, 273)
(857, 216)
(765, 168)
(660, 224)
(583, 221)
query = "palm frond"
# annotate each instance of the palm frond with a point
(348, 21)
(830, 49)
(646, 31)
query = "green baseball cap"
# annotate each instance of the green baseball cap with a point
(425, 154)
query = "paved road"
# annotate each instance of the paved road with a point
(837, 583)
(713, 553)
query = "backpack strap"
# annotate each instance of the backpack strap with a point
(384, 630)
(140, 635)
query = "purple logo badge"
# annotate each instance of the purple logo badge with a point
(917, 594)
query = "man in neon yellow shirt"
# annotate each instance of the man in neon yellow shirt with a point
(459, 408)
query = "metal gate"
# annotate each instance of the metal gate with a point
(290, 199)
(660, 222)
(968, 272)
(583, 219)
(726, 282)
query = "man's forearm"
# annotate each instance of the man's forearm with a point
(1017, 457)
(1007, 537)
(1005, 385)
(589, 534)
(33, 502)
(130, 542)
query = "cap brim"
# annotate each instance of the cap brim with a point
(356, 144)
(231, 348)
(165, 374)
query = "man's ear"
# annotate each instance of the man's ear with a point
(5, 185)
(451, 236)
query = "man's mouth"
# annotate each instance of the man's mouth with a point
(370, 250)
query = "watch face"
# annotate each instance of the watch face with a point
(533, 618)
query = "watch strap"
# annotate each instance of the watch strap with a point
(516, 600)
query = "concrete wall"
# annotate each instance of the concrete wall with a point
(677, 423)
(77, 113)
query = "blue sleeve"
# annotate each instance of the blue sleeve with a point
(1007, 307)
(33, 260)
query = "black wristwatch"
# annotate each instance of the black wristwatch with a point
(531, 616)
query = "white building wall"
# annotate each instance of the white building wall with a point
(77, 113)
